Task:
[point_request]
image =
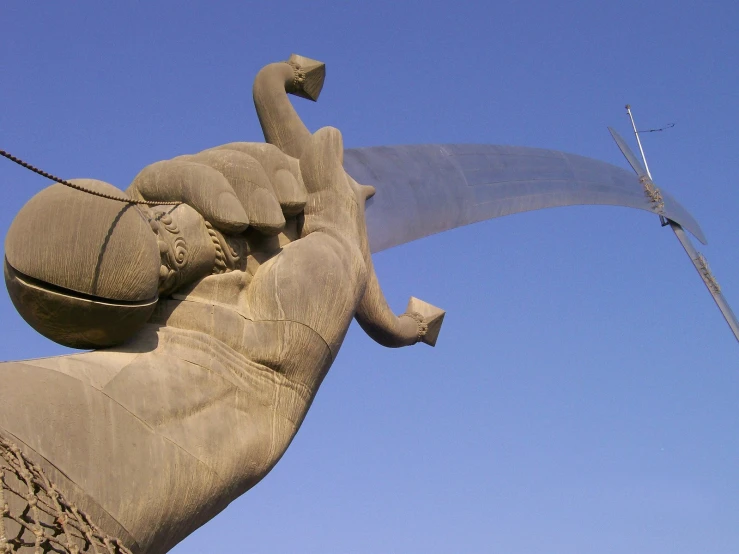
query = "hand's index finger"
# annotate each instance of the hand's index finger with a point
(198, 185)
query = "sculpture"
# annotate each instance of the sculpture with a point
(153, 438)
(218, 317)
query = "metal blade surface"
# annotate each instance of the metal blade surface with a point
(628, 153)
(701, 266)
(699, 262)
(427, 189)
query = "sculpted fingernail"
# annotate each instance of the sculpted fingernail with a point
(230, 213)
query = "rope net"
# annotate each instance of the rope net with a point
(36, 518)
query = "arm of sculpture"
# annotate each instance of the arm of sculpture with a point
(221, 357)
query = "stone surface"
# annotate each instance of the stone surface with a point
(84, 243)
(255, 279)
(430, 319)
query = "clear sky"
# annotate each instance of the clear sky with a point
(583, 393)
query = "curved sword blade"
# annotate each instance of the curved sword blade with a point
(628, 153)
(698, 260)
(427, 189)
(701, 266)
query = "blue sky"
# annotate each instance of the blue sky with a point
(582, 395)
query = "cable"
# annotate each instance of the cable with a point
(668, 126)
(81, 188)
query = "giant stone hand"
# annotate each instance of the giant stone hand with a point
(257, 275)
